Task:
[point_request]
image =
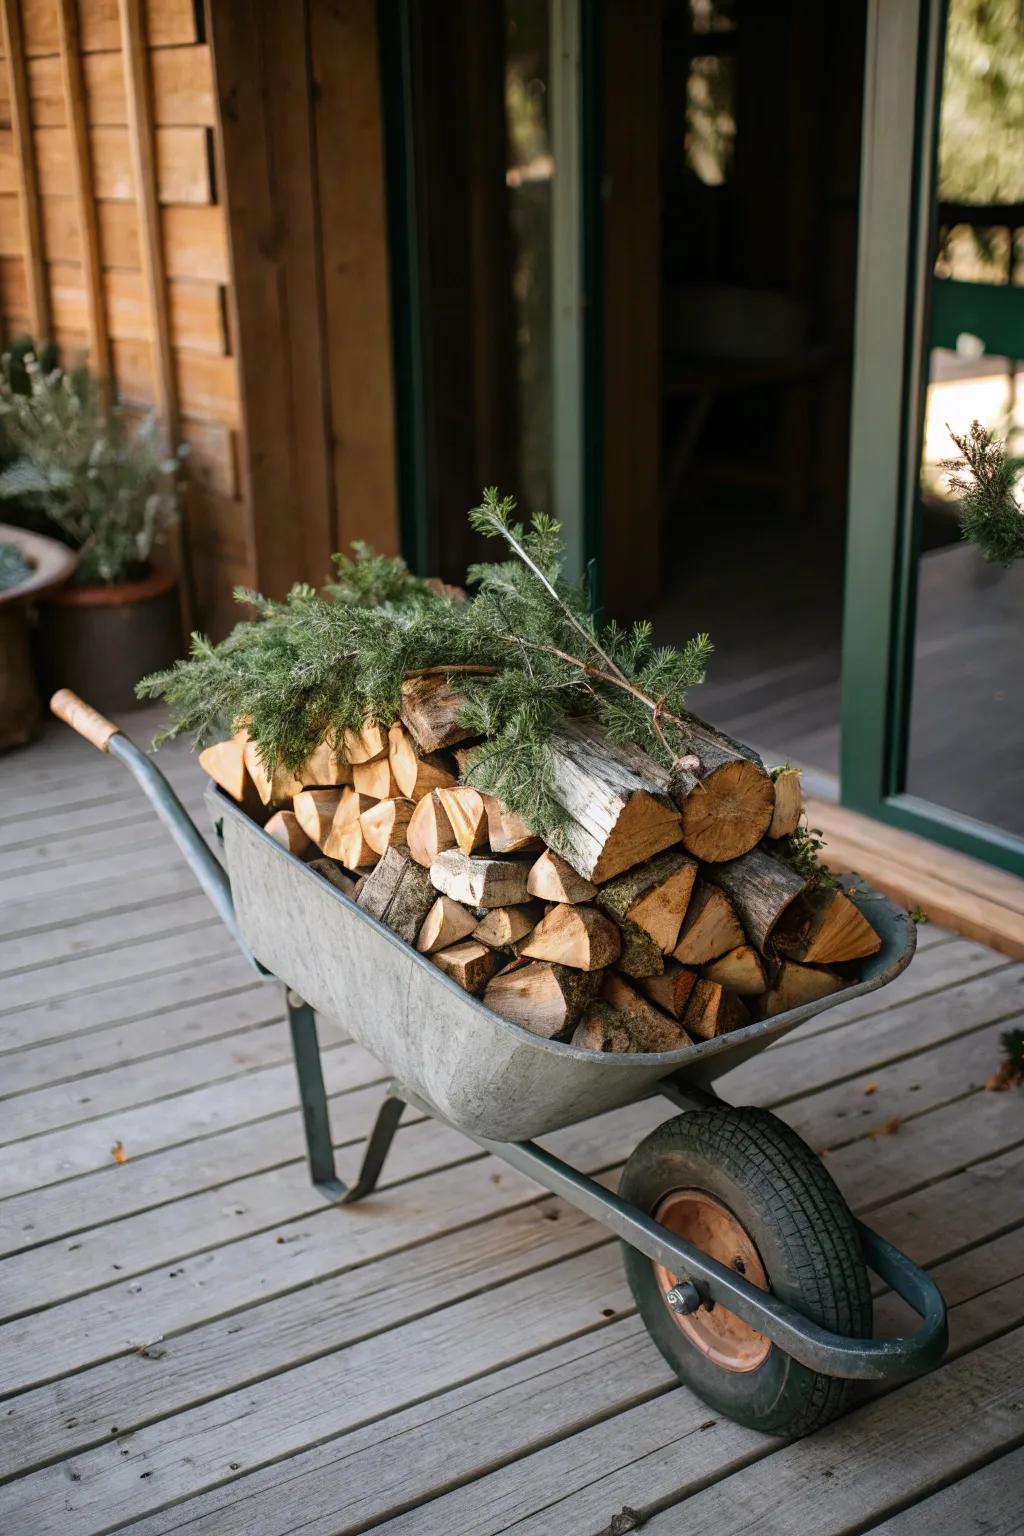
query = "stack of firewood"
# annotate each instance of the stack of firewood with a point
(664, 918)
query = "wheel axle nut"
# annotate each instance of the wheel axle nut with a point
(684, 1298)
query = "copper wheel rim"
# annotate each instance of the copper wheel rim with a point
(709, 1225)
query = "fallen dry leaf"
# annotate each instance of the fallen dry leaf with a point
(870, 1087)
(887, 1128)
(118, 1152)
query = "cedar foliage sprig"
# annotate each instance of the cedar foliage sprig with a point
(525, 652)
(985, 477)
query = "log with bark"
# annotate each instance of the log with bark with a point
(333, 873)
(713, 1011)
(544, 998)
(654, 896)
(761, 888)
(398, 893)
(651, 1029)
(430, 710)
(824, 927)
(479, 882)
(581, 937)
(616, 799)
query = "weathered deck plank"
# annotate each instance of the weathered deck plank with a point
(460, 1353)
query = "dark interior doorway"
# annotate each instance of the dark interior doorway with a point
(760, 118)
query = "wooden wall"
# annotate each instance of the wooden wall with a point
(113, 239)
(191, 206)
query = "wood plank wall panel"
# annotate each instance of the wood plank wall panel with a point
(357, 306)
(187, 228)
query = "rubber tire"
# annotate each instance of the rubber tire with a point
(780, 1191)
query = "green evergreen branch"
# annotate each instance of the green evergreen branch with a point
(986, 479)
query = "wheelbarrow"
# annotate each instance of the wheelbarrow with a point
(748, 1269)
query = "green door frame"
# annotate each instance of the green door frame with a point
(904, 46)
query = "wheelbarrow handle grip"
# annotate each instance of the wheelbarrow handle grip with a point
(81, 717)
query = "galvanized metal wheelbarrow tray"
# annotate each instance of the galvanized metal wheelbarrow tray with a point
(452, 1058)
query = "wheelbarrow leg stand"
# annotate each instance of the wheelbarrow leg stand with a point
(317, 1120)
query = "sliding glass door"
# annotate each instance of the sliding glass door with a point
(933, 686)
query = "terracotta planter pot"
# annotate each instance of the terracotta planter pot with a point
(100, 640)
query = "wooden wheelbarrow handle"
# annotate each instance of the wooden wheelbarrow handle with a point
(81, 717)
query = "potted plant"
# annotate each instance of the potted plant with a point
(104, 486)
(29, 566)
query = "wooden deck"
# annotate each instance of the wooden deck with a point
(195, 1343)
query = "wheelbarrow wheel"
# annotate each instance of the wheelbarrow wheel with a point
(743, 1187)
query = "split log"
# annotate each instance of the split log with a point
(411, 902)
(385, 824)
(789, 804)
(726, 804)
(275, 789)
(415, 776)
(445, 924)
(654, 896)
(740, 971)
(224, 761)
(505, 926)
(545, 999)
(616, 798)
(713, 1011)
(552, 879)
(315, 810)
(760, 888)
(794, 985)
(467, 815)
(507, 833)
(824, 927)
(363, 745)
(349, 809)
(333, 873)
(429, 832)
(284, 828)
(651, 1029)
(430, 707)
(325, 766)
(604, 1028)
(581, 937)
(379, 887)
(375, 779)
(670, 991)
(710, 927)
(640, 955)
(349, 845)
(479, 882)
(470, 964)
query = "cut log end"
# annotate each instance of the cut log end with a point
(580, 937)
(284, 828)
(469, 964)
(824, 927)
(546, 999)
(728, 811)
(789, 804)
(552, 879)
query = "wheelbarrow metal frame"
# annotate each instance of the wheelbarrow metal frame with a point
(815, 1347)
